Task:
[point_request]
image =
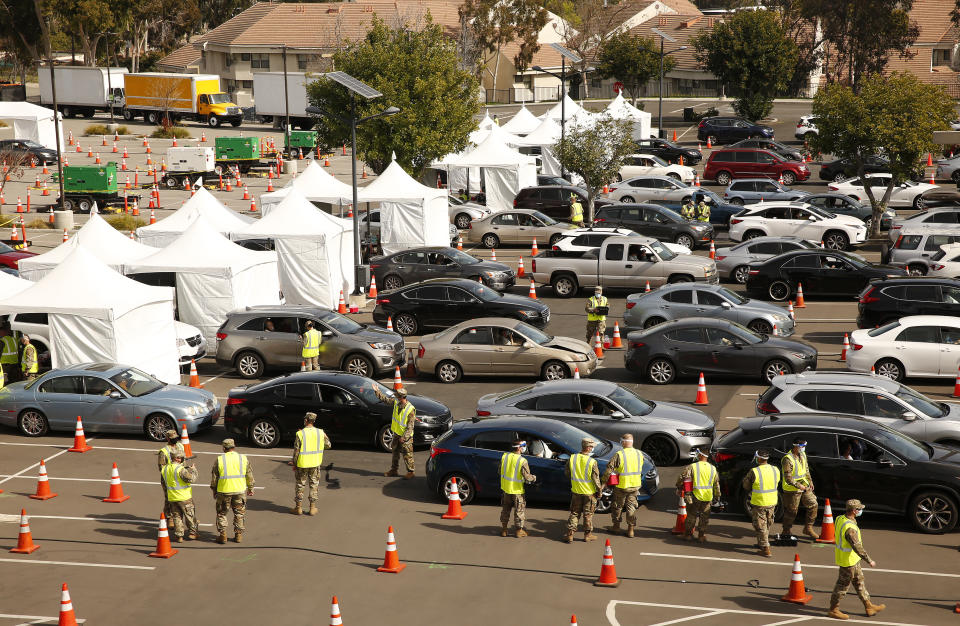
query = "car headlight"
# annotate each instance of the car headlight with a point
(780, 318)
(800, 355)
(581, 357)
(181, 342)
(193, 411)
(380, 346)
(530, 313)
(494, 274)
(694, 433)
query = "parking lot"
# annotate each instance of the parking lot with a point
(288, 567)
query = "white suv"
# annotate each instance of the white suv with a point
(649, 165)
(806, 128)
(796, 219)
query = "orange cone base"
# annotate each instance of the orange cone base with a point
(391, 570)
(28, 550)
(164, 555)
(680, 527)
(825, 541)
(462, 514)
(122, 498)
(83, 448)
(803, 599)
(43, 497)
(615, 583)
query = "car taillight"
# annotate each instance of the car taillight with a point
(867, 298)
(766, 408)
(597, 220)
(374, 266)
(482, 413)
(611, 189)
(937, 266)
(720, 258)
(896, 226)
(555, 248)
(436, 451)
(702, 123)
(235, 401)
(630, 305)
(899, 239)
(421, 351)
(832, 187)
(221, 336)
(857, 346)
(754, 272)
(533, 265)
(720, 457)
(799, 124)
(636, 344)
(383, 301)
(514, 203)
(735, 221)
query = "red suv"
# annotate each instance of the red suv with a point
(729, 163)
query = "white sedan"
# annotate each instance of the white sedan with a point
(772, 219)
(946, 263)
(916, 345)
(583, 239)
(906, 194)
(649, 165)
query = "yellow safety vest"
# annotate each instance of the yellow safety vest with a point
(799, 471)
(166, 451)
(233, 473)
(843, 553)
(9, 353)
(511, 480)
(29, 363)
(400, 418)
(3, 380)
(703, 476)
(594, 302)
(688, 211)
(765, 479)
(311, 344)
(581, 474)
(177, 490)
(703, 211)
(311, 447)
(631, 468)
(576, 212)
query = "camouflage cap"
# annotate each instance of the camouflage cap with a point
(587, 442)
(172, 434)
(401, 392)
(229, 444)
(310, 417)
(854, 505)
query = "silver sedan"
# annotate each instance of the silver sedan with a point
(516, 226)
(651, 189)
(734, 263)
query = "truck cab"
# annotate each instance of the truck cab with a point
(217, 107)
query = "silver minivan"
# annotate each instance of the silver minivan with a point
(916, 245)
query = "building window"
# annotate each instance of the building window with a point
(302, 60)
(259, 61)
(245, 56)
(941, 56)
(246, 84)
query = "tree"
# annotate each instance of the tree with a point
(894, 115)
(417, 71)
(595, 151)
(752, 53)
(633, 60)
(89, 21)
(216, 12)
(494, 24)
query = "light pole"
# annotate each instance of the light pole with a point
(286, 101)
(663, 37)
(564, 55)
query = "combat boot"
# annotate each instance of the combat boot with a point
(614, 528)
(178, 539)
(629, 532)
(521, 533)
(239, 536)
(392, 472)
(222, 538)
(687, 536)
(297, 510)
(503, 530)
(192, 536)
(873, 609)
(589, 536)
(313, 510)
(702, 537)
(408, 475)
(809, 532)
(765, 551)
(836, 613)
(567, 537)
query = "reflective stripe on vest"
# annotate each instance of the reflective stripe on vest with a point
(311, 447)
(400, 418)
(9, 354)
(177, 490)
(233, 473)
(631, 468)
(799, 471)
(594, 303)
(581, 474)
(843, 553)
(765, 479)
(703, 476)
(511, 480)
(29, 364)
(311, 344)
(3, 380)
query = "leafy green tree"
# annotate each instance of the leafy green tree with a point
(418, 72)
(494, 24)
(595, 150)
(895, 115)
(633, 60)
(216, 12)
(752, 53)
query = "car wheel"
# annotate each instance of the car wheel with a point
(554, 370)
(740, 274)
(789, 178)
(127, 115)
(839, 177)
(933, 512)
(213, 121)
(891, 368)
(627, 199)
(157, 425)
(250, 365)
(491, 241)
(779, 290)
(449, 372)
(836, 241)
(661, 372)
(761, 327)
(674, 176)
(653, 321)
(33, 423)
(406, 324)
(712, 139)
(919, 203)
(736, 201)
(264, 433)
(392, 282)
(683, 239)
(153, 118)
(554, 238)
(385, 438)
(462, 221)
(464, 487)
(723, 178)
(661, 450)
(565, 286)
(774, 368)
(680, 278)
(85, 205)
(172, 182)
(917, 269)
(358, 365)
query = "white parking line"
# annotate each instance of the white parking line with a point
(37, 464)
(107, 565)
(153, 450)
(611, 614)
(93, 480)
(688, 619)
(8, 517)
(36, 619)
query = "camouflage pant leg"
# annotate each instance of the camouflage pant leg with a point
(848, 575)
(183, 517)
(624, 501)
(762, 520)
(792, 501)
(226, 502)
(402, 446)
(307, 476)
(516, 503)
(593, 328)
(581, 507)
(190, 517)
(698, 515)
(311, 362)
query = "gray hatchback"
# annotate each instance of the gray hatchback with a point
(734, 262)
(260, 337)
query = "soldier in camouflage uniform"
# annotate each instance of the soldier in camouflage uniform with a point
(307, 469)
(164, 456)
(798, 489)
(761, 483)
(402, 423)
(700, 496)
(628, 465)
(848, 552)
(514, 472)
(231, 481)
(183, 513)
(585, 484)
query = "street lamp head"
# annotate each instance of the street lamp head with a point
(391, 111)
(538, 68)
(682, 48)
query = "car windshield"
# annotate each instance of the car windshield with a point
(515, 392)
(922, 404)
(454, 200)
(567, 436)
(341, 324)
(4, 248)
(745, 334)
(549, 221)
(219, 98)
(732, 296)
(533, 334)
(363, 388)
(673, 215)
(461, 257)
(658, 160)
(631, 402)
(900, 444)
(809, 245)
(662, 251)
(706, 193)
(33, 145)
(136, 383)
(882, 329)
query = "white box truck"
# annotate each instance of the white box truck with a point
(83, 90)
(189, 164)
(270, 103)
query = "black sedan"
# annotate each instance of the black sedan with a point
(851, 457)
(821, 272)
(790, 154)
(12, 150)
(669, 151)
(842, 169)
(444, 303)
(654, 220)
(347, 409)
(697, 345)
(419, 264)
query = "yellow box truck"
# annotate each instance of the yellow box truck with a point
(154, 95)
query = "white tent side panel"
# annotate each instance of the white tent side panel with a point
(204, 300)
(259, 284)
(549, 162)
(81, 339)
(306, 275)
(146, 338)
(406, 225)
(501, 188)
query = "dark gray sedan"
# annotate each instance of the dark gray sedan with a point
(666, 431)
(420, 264)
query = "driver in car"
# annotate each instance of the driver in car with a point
(509, 338)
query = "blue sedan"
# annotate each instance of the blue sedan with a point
(471, 451)
(720, 210)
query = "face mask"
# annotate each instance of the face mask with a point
(859, 512)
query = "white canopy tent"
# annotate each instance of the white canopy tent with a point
(545, 137)
(202, 204)
(480, 135)
(11, 285)
(314, 250)
(32, 122)
(522, 123)
(620, 109)
(314, 183)
(95, 314)
(568, 108)
(98, 237)
(487, 122)
(505, 171)
(411, 214)
(214, 276)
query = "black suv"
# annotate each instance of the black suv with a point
(841, 169)
(850, 457)
(884, 301)
(657, 221)
(729, 129)
(669, 151)
(553, 200)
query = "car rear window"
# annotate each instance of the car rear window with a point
(909, 242)
(879, 331)
(730, 438)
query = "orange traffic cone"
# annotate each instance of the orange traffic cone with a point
(126, 154)
(597, 346)
(929, 160)
(185, 442)
(791, 312)
(25, 543)
(646, 289)
(956, 384)
(335, 619)
(164, 549)
(533, 290)
(608, 572)
(67, 617)
(246, 193)
(391, 561)
(373, 287)
(65, 236)
(303, 366)
(674, 135)
(617, 340)
(364, 174)
(576, 372)
(933, 179)
(797, 593)
(153, 213)
(341, 306)
(701, 392)
(203, 137)
(533, 248)
(453, 503)
(713, 250)
(194, 376)
(493, 254)
(115, 149)
(253, 205)
(800, 303)
(696, 180)
(326, 161)
(43, 485)
(269, 185)
(680, 527)
(521, 273)
(459, 242)
(389, 323)
(116, 489)
(709, 145)
(97, 160)
(827, 528)
(411, 365)
(79, 440)
(397, 381)
(846, 346)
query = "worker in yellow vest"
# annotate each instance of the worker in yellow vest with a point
(585, 484)
(176, 482)
(310, 352)
(597, 308)
(699, 486)
(402, 423)
(761, 482)
(798, 489)
(847, 554)
(165, 457)
(514, 471)
(9, 357)
(576, 211)
(231, 482)
(29, 366)
(628, 465)
(308, 447)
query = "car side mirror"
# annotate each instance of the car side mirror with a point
(738, 345)
(115, 395)
(563, 457)
(726, 305)
(527, 344)
(812, 218)
(617, 415)
(909, 416)
(884, 462)
(327, 333)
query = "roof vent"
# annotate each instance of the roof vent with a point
(663, 20)
(333, 10)
(690, 22)
(368, 8)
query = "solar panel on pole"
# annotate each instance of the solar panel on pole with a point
(566, 53)
(660, 33)
(354, 85)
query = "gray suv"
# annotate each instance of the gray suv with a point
(260, 337)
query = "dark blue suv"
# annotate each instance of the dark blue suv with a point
(729, 129)
(471, 451)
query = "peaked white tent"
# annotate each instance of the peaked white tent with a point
(96, 314)
(620, 109)
(411, 214)
(214, 276)
(314, 183)
(98, 237)
(481, 134)
(32, 122)
(487, 122)
(569, 109)
(522, 123)
(314, 250)
(201, 204)
(545, 137)
(505, 171)
(11, 285)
